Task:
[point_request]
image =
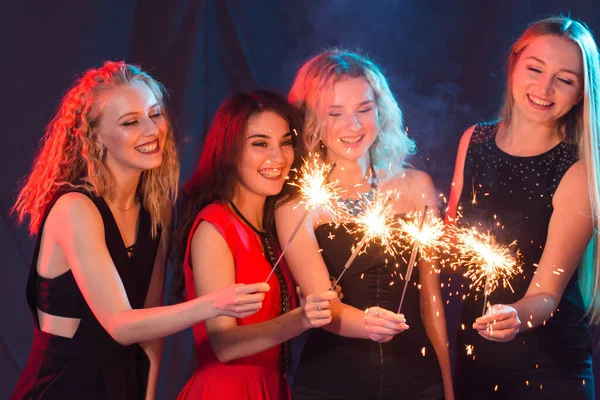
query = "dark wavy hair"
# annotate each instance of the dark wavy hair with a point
(217, 173)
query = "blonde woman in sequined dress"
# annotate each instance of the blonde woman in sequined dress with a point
(352, 119)
(536, 171)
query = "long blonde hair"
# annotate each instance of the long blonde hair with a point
(392, 146)
(68, 150)
(582, 125)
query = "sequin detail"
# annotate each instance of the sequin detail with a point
(356, 207)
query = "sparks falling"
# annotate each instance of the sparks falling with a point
(423, 232)
(315, 192)
(315, 189)
(488, 263)
(427, 229)
(469, 348)
(377, 225)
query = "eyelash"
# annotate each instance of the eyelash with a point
(264, 144)
(565, 81)
(131, 123)
(363, 111)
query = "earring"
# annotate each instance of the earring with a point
(101, 151)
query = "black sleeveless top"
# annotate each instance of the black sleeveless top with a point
(90, 365)
(518, 191)
(335, 367)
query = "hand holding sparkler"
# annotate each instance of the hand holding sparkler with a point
(315, 191)
(500, 324)
(317, 309)
(382, 325)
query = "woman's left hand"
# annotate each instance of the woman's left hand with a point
(500, 323)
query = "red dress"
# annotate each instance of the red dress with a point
(259, 376)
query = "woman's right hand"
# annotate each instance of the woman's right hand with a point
(239, 300)
(382, 325)
(317, 309)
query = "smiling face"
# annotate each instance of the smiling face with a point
(546, 81)
(267, 155)
(132, 129)
(350, 119)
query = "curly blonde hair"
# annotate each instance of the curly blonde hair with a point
(68, 150)
(392, 146)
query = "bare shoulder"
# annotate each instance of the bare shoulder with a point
(410, 180)
(576, 173)
(415, 186)
(206, 234)
(466, 136)
(74, 216)
(287, 206)
(74, 207)
(292, 210)
(574, 184)
(463, 144)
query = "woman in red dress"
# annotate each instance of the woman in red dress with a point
(227, 236)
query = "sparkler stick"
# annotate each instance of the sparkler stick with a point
(294, 232)
(316, 191)
(357, 250)
(486, 289)
(413, 258)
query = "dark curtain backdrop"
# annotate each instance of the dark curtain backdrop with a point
(444, 60)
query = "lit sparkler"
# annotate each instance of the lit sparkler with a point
(428, 230)
(488, 264)
(425, 231)
(377, 224)
(315, 192)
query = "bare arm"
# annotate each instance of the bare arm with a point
(76, 226)
(459, 171)
(310, 272)
(569, 232)
(214, 270)
(431, 301)
(434, 320)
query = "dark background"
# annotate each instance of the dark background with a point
(444, 60)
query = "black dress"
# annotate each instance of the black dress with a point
(551, 361)
(91, 365)
(335, 367)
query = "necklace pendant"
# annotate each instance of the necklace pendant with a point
(356, 207)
